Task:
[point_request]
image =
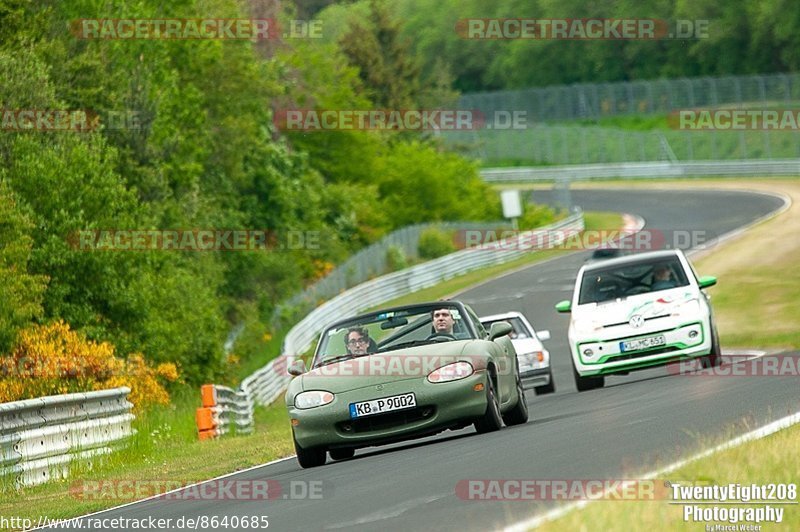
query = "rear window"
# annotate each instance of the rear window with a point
(614, 282)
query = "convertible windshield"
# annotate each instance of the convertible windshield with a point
(608, 284)
(388, 331)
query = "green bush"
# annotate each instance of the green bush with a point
(396, 259)
(536, 215)
(434, 243)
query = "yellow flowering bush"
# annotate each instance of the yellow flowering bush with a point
(53, 359)
(322, 268)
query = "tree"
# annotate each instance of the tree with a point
(384, 59)
(20, 292)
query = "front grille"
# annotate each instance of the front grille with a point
(646, 319)
(386, 421)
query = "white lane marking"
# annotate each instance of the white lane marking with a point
(756, 434)
(69, 519)
(388, 513)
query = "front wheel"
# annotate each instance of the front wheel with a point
(714, 358)
(491, 420)
(309, 457)
(584, 384)
(548, 388)
(519, 414)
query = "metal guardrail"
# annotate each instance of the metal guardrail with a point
(224, 411)
(40, 437)
(651, 170)
(369, 263)
(268, 383)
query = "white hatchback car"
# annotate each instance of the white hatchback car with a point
(533, 358)
(638, 311)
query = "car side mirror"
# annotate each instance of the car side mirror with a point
(297, 367)
(564, 306)
(543, 335)
(707, 281)
(499, 328)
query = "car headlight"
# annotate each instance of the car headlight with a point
(534, 358)
(687, 308)
(312, 399)
(451, 372)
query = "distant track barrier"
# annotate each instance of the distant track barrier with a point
(648, 170)
(224, 411)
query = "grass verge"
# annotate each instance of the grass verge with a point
(165, 448)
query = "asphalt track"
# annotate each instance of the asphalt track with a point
(632, 425)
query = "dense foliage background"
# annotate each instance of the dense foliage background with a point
(206, 155)
(744, 37)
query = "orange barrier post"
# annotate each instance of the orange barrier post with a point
(209, 395)
(205, 416)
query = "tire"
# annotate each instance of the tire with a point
(549, 388)
(491, 420)
(341, 454)
(314, 457)
(584, 384)
(714, 358)
(519, 414)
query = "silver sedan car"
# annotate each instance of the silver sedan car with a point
(533, 357)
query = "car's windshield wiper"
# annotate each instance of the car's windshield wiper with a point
(402, 345)
(332, 360)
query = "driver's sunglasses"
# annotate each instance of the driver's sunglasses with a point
(357, 341)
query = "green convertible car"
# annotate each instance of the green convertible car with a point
(403, 373)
